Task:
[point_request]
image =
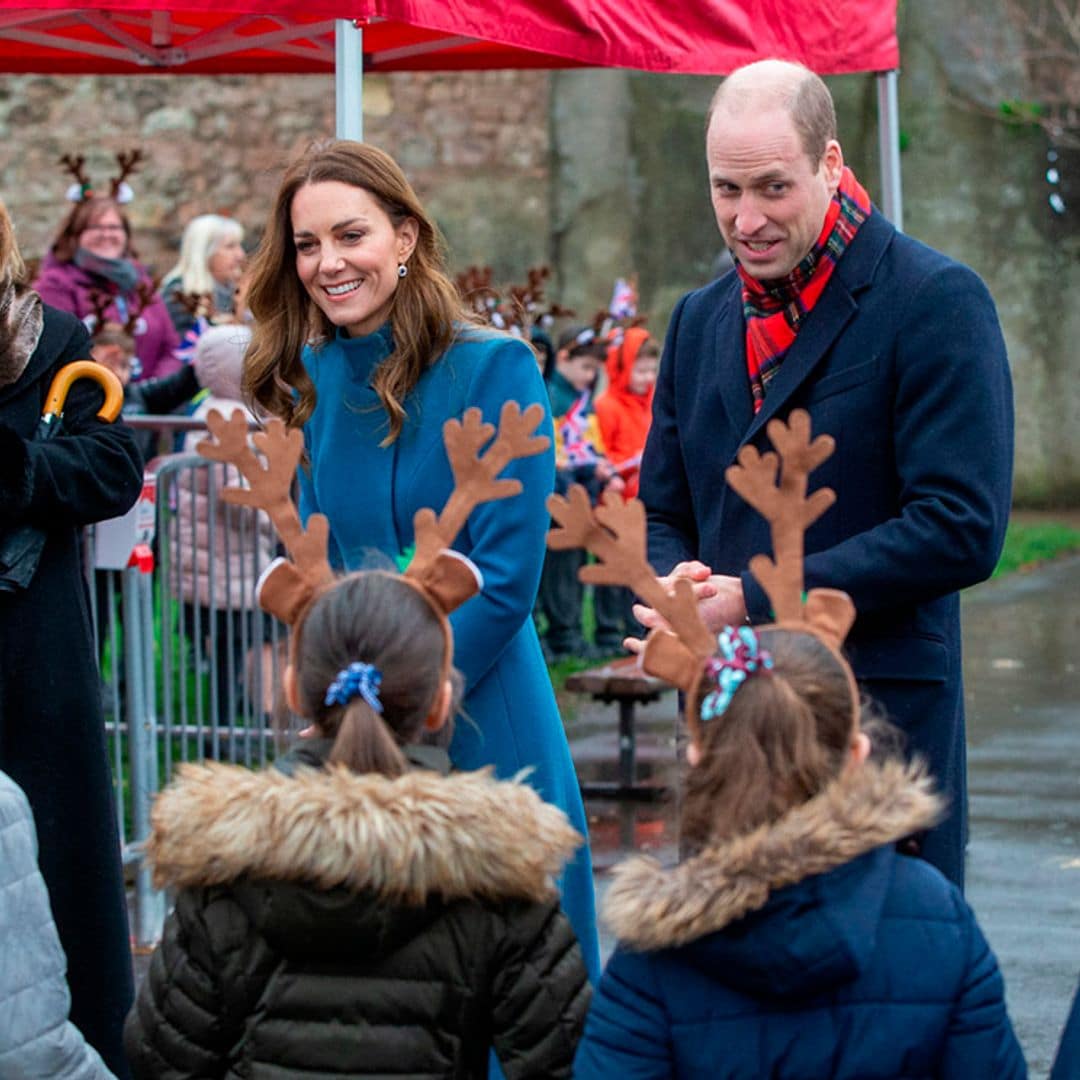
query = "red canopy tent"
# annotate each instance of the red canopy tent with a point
(702, 37)
(213, 37)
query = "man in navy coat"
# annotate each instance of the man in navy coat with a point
(896, 351)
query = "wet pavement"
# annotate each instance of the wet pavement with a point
(1022, 677)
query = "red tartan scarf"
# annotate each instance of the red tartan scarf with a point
(775, 310)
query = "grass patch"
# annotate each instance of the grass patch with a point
(1029, 544)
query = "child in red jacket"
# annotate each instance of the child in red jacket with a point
(624, 409)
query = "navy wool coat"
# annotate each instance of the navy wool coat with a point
(903, 362)
(804, 950)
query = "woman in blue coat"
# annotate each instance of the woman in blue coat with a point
(797, 942)
(360, 339)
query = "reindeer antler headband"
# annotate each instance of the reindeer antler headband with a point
(514, 308)
(446, 578)
(119, 189)
(615, 533)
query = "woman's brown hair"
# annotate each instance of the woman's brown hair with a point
(424, 309)
(84, 214)
(379, 619)
(785, 735)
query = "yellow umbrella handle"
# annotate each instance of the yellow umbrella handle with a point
(85, 369)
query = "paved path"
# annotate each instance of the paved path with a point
(1022, 672)
(1022, 677)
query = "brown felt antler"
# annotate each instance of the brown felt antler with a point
(196, 304)
(516, 308)
(448, 578)
(615, 533)
(75, 164)
(100, 302)
(445, 577)
(790, 512)
(129, 163)
(287, 587)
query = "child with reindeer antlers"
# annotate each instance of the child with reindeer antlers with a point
(92, 253)
(796, 941)
(357, 911)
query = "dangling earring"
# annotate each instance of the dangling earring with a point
(402, 270)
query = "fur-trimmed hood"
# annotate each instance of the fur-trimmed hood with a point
(404, 840)
(650, 907)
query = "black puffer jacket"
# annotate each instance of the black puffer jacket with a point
(332, 924)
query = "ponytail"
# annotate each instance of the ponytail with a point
(780, 741)
(364, 743)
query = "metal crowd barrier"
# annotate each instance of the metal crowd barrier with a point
(191, 667)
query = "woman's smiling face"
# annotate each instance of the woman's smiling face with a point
(348, 252)
(105, 235)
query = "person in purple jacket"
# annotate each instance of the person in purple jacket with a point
(91, 256)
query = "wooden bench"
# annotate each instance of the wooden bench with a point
(622, 682)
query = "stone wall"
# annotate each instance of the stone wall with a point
(475, 146)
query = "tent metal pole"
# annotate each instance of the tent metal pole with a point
(892, 198)
(349, 79)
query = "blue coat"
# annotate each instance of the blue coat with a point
(903, 362)
(370, 494)
(806, 950)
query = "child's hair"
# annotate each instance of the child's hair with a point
(650, 349)
(112, 333)
(784, 736)
(375, 618)
(577, 341)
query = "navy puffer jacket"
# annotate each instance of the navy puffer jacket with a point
(805, 950)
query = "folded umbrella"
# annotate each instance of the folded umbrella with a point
(21, 547)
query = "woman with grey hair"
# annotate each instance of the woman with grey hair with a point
(211, 262)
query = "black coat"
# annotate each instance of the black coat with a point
(347, 925)
(52, 739)
(901, 361)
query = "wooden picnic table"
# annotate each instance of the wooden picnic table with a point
(623, 682)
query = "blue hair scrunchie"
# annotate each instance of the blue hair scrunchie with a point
(738, 657)
(357, 678)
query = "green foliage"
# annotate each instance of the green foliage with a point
(1029, 544)
(1022, 112)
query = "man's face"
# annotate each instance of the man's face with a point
(769, 199)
